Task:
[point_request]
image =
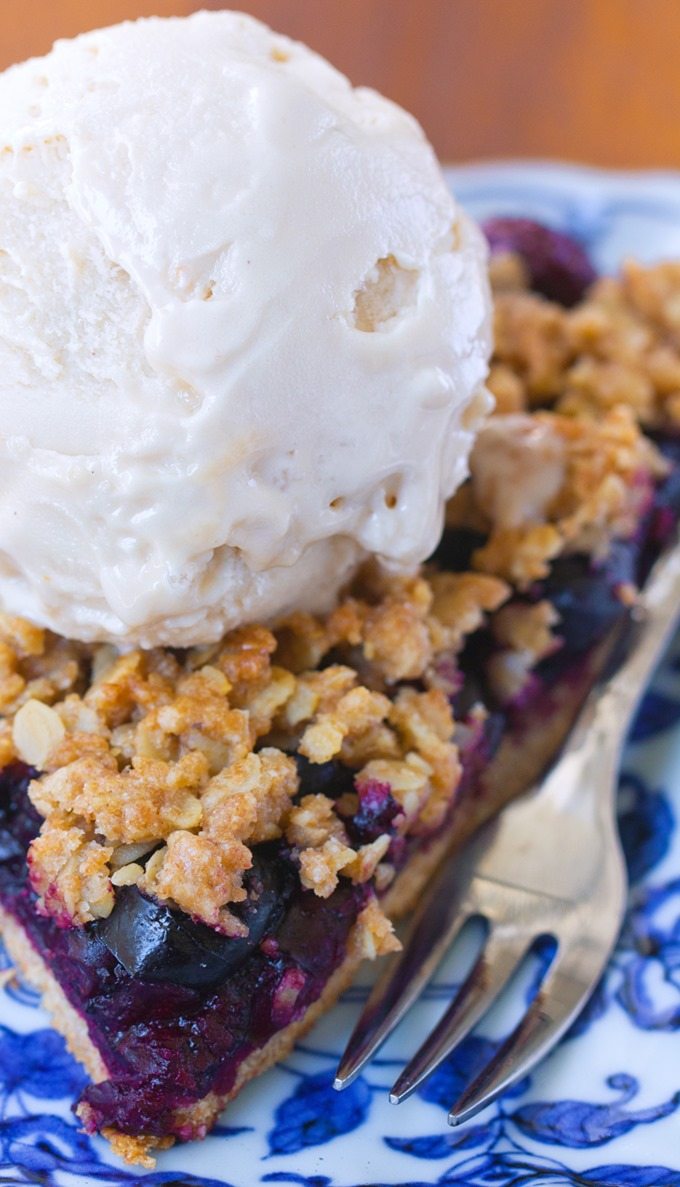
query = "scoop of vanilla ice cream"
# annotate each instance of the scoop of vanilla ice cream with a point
(243, 332)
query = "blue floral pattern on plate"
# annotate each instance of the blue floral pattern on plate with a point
(604, 1110)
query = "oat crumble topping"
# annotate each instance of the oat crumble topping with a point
(620, 346)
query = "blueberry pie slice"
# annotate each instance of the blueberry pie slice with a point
(245, 333)
(198, 847)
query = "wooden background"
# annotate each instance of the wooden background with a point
(593, 80)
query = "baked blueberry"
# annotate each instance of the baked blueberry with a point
(557, 265)
(156, 943)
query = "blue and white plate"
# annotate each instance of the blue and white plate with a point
(604, 1110)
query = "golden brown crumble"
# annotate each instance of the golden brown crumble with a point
(530, 336)
(526, 626)
(525, 636)
(134, 1151)
(607, 465)
(620, 346)
(507, 272)
(357, 711)
(316, 830)
(164, 771)
(462, 600)
(375, 932)
(71, 874)
(201, 876)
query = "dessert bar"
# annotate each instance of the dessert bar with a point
(197, 847)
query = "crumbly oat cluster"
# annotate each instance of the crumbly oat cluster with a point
(163, 769)
(572, 389)
(620, 346)
(603, 482)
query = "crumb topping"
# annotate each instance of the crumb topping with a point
(606, 467)
(163, 771)
(620, 346)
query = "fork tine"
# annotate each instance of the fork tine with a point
(391, 998)
(566, 987)
(442, 913)
(498, 960)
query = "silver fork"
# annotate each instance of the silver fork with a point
(549, 865)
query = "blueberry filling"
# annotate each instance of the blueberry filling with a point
(586, 596)
(171, 1045)
(557, 266)
(174, 1011)
(19, 821)
(455, 549)
(326, 778)
(376, 813)
(155, 943)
